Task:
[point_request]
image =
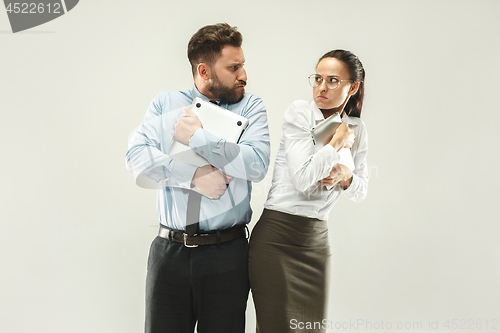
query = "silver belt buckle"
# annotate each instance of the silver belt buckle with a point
(185, 241)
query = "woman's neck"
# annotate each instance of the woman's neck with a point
(328, 112)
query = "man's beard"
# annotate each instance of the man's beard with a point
(228, 95)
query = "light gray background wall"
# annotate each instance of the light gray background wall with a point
(76, 230)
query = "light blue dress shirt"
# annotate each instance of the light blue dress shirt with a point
(247, 161)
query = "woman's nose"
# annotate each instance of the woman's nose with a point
(323, 86)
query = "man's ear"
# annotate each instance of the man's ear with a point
(204, 71)
(354, 88)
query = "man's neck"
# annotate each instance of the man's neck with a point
(202, 87)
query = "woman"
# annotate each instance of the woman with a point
(289, 258)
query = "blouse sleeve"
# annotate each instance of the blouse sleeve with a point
(305, 166)
(359, 185)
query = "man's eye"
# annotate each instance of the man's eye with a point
(318, 78)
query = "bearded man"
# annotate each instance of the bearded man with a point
(197, 265)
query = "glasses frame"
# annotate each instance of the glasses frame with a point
(323, 79)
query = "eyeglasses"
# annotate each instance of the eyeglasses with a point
(332, 82)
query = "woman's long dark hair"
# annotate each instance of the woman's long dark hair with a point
(356, 73)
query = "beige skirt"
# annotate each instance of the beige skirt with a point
(289, 267)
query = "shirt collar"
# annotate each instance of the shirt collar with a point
(196, 93)
(348, 120)
(318, 116)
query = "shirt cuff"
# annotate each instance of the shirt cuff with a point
(183, 173)
(331, 156)
(354, 185)
(201, 142)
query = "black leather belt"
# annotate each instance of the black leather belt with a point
(215, 237)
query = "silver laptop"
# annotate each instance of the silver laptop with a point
(324, 131)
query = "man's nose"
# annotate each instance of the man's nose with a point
(242, 75)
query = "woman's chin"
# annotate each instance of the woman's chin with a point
(324, 105)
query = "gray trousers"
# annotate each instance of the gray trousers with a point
(207, 285)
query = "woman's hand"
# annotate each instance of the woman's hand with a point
(343, 138)
(339, 174)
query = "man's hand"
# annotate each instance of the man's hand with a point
(186, 126)
(339, 174)
(211, 181)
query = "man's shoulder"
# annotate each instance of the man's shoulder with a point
(250, 98)
(251, 95)
(175, 94)
(250, 103)
(173, 99)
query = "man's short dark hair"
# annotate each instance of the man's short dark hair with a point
(206, 44)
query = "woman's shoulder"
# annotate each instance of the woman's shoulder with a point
(300, 104)
(298, 109)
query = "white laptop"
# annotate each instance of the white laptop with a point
(216, 120)
(325, 130)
